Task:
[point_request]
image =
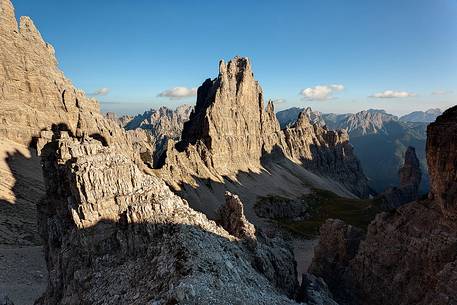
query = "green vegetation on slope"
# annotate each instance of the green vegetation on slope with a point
(324, 205)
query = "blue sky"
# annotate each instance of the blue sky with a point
(398, 55)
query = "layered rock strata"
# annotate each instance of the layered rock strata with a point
(408, 255)
(36, 101)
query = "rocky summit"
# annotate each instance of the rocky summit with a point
(408, 255)
(232, 140)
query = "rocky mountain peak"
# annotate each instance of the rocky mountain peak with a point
(8, 22)
(230, 131)
(32, 84)
(434, 111)
(29, 30)
(238, 67)
(228, 113)
(303, 119)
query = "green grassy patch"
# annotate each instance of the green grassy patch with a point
(324, 205)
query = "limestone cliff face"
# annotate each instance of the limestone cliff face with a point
(36, 100)
(230, 131)
(408, 255)
(35, 95)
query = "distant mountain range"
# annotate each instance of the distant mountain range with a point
(422, 116)
(380, 139)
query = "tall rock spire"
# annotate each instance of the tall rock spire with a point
(228, 114)
(8, 22)
(410, 172)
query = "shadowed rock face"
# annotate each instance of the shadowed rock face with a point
(408, 255)
(410, 172)
(410, 179)
(230, 131)
(441, 158)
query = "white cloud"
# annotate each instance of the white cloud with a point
(393, 94)
(100, 92)
(321, 92)
(179, 92)
(441, 92)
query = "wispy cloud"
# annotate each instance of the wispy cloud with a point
(100, 92)
(321, 92)
(178, 93)
(278, 101)
(441, 92)
(393, 94)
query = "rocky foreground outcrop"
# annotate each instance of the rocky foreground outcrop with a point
(115, 235)
(409, 255)
(230, 132)
(232, 218)
(410, 179)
